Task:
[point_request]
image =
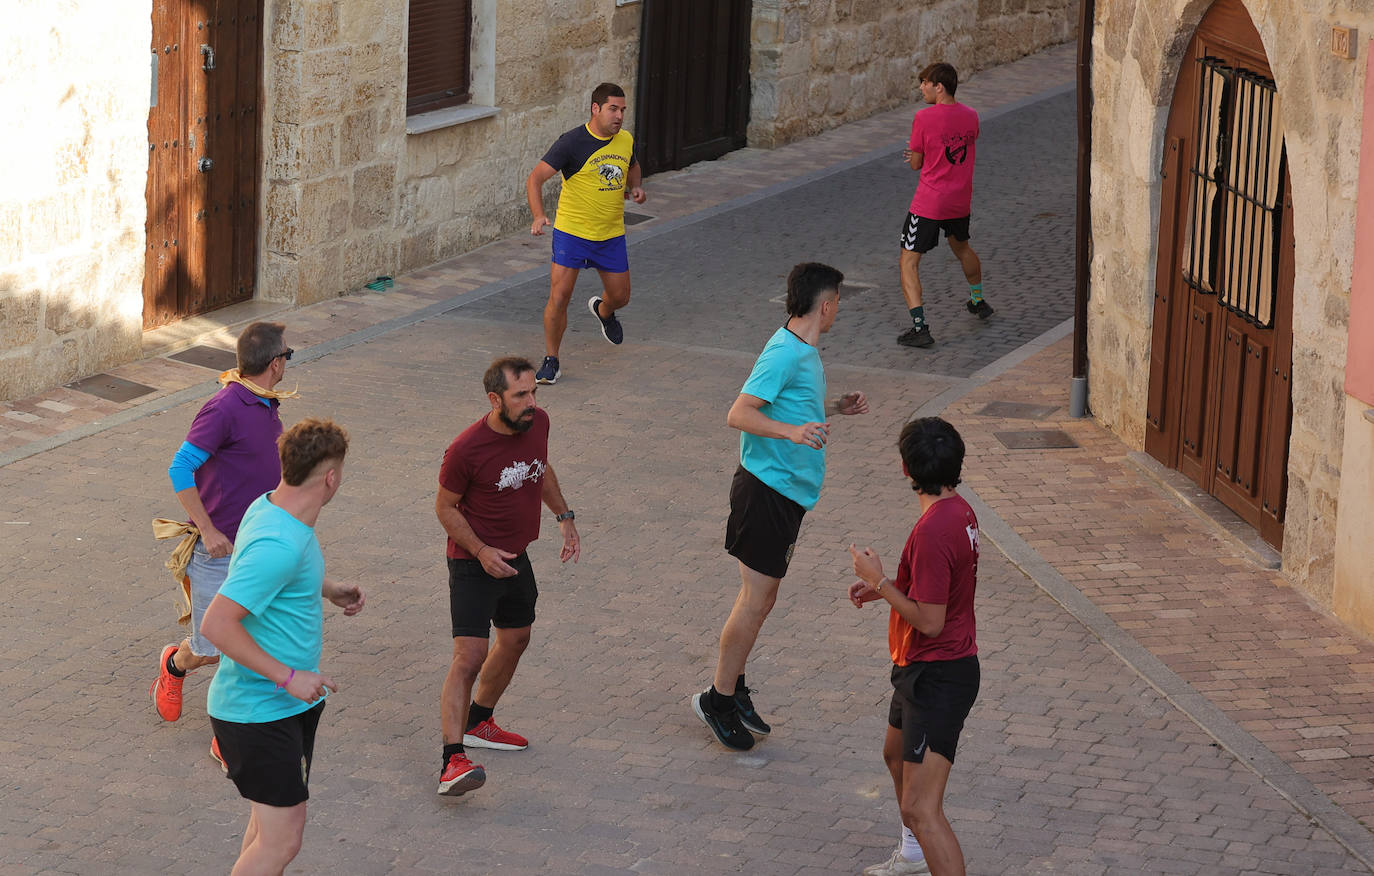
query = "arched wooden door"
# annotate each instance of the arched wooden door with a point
(1220, 401)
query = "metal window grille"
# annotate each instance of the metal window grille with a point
(1235, 180)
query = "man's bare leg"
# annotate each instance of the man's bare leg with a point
(187, 660)
(911, 278)
(499, 668)
(469, 653)
(277, 842)
(757, 594)
(561, 282)
(615, 292)
(968, 260)
(922, 801)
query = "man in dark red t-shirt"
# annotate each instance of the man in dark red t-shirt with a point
(494, 477)
(932, 636)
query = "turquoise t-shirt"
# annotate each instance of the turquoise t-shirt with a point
(789, 378)
(277, 572)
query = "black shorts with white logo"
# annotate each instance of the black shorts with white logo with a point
(929, 704)
(270, 762)
(920, 234)
(477, 601)
(763, 525)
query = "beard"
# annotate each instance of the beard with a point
(522, 424)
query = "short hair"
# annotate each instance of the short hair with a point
(806, 283)
(933, 454)
(941, 74)
(258, 345)
(605, 91)
(307, 444)
(495, 379)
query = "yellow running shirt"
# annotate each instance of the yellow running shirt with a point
(592, 205)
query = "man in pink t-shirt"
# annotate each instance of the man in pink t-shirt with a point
(941, 148)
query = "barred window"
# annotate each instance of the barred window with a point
(1231, 248)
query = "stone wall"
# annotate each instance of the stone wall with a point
(816, 64)
(1138, 46)
(73, 163)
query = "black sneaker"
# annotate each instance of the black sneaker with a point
(725, 725)
(548, 372)
(610, 326)
(916, 337)
(982, 309)
(748, 715)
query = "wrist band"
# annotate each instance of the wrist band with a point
(288, 680)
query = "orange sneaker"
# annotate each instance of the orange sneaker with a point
(488, 735)
(166, 689)
(219, 758)
(460, 776)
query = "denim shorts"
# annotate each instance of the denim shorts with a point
(207, 575)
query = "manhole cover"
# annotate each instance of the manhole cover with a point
(1017, 410)
(1035, 439)
(207, 357)
(110, 388)
(635, 218)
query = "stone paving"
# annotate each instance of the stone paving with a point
(1075, 760)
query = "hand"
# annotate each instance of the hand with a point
(537, 227)
(906, 155)
(852, 403)
(861, 591)
(349, 597)
(309, 686)
(811, 434)
(866, 564)
(572, 545)
(493, 560)
(216, 544)
(637, 195)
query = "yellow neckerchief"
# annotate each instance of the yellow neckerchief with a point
(233, 376)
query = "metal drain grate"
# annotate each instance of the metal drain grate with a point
(1035, 439)
(205, 356)
(110, 388)
(1017, 410)
(636, 218)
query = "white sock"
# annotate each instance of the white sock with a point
(911, 850)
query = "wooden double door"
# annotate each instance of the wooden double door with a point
(203, 132)
(1220, 400)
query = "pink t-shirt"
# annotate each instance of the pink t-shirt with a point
(944, 133)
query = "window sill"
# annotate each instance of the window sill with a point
(448, 117)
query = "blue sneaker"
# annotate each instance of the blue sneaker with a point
(548, 372)
(610, 326)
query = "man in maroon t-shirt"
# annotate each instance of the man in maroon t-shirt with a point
(932, 636)
(494, 477)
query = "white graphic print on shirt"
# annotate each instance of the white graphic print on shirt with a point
(517, 474)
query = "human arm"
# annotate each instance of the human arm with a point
(349, 597)
(188, 459)
(913, 158)
(746, 416)
(492, 558)
(632, 188)
(926, 618)
(534, 188)
(223, 626)
(553, 498)
(850, 403)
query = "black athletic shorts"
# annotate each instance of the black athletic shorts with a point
(920, 234)
(477, 601)
(270, 762)
(763, 525)
(929, 704)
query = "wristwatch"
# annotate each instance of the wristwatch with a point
(566, 515)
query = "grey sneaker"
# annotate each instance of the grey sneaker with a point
(898, 866)
(916, 337)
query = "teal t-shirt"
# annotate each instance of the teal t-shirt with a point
(789, 378)
(276, 573)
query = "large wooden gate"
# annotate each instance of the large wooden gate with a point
(1220, 399)
(202, 157)
(693, 95)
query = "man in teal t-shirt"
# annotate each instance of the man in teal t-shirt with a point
(267, 622)
(781, 414)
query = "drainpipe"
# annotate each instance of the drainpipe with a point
(1078, 390)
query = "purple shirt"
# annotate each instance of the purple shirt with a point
(240, 433)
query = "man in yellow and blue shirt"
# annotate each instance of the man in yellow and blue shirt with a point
(600, 171)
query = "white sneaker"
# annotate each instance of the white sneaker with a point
(898, 866)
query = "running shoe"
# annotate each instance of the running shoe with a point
(214, 752)
(898, 866)
(725, 725)
(460, 776)
(610, 326)
(488, 735)
(981, 309)
(748, 715)
(916, 337)
(166, 689)
(548, 372)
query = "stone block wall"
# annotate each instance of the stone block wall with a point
(816, 64)
(1138, 47)
(74, 162)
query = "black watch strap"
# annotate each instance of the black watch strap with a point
(566, 515)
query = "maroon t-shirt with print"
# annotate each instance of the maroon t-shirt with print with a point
(501, 481)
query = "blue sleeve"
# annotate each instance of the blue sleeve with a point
(258, 571)
(182, 471)
(771, 372)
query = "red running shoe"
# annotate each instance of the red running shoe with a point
(460, 776)
(214, 752)
(488, 735)
(166, 689)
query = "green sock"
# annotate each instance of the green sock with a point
(918, 316)
(975, 293)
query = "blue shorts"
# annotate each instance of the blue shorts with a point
(572, 251)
